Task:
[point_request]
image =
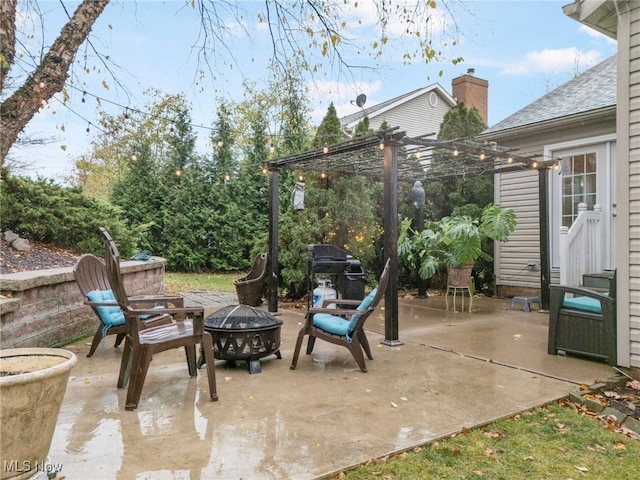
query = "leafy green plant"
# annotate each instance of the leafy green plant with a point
(43, 211)
(453, 241)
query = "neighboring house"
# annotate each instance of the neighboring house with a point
(576, 123)
(621, 20)
(421, 111)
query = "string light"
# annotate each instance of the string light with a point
(455, 152)
(264, 170)
(178, 172)
(220, 143)
(301, 178)
(134, 157)
(482, 156)
(381, 145)
(325, 149)
(535, 165)
(323, 175)
(227, 177)
(509, 159)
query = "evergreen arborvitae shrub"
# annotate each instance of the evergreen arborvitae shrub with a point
(43, 211)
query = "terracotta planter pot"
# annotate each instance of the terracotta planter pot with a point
(459, 277)
(32, 387)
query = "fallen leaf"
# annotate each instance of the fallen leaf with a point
(479, 473)
(404, 399)
(619, 446)
(226, 379)
(517, 336)
(582, 469)
(529, 458)
(394, 405)
(455, 452)
(635, 384)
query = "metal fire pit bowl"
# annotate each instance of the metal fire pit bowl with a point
(242, 332)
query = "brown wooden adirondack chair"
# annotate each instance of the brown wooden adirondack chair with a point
(250, 287)
(91, 278)
(141, 344)
(342, 325)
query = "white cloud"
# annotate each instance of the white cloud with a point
(595, 34)
(322, 93)
(560, 60)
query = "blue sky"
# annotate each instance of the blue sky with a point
(523, 48)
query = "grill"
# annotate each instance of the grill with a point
(242, 332)
(326, 259)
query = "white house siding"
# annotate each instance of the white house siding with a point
(416, 117)
(629, 186)
(518, 190)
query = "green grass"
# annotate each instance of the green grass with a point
(186, 282)
(554, 442)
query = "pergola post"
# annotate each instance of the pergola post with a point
(390, 239)
(274, 206)
(545, 262)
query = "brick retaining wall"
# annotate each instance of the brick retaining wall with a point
(44, 308)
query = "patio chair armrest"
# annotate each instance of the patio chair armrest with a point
(176, 300)
(338, 312)
(174, 311)
(339, 302)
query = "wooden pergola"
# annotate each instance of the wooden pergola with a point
(393, 157)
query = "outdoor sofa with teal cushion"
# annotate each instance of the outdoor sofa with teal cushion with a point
(583, 322)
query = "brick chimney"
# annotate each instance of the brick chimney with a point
(473, 92)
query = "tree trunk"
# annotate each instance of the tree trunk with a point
(49, 77)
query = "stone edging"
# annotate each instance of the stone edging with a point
(623, 419)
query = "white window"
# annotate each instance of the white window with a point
(579, 185)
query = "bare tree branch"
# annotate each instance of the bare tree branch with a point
(50, 75)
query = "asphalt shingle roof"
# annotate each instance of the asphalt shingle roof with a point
(591, 90)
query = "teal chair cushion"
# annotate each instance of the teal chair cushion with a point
(583, 304)
(110, 316)
(338, 325)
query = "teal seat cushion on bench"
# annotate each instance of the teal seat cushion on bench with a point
(338, 325)
(583, 304)
(110, 316)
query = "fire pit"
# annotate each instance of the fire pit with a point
(242, 332)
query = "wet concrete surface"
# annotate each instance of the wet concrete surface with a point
(452, 370)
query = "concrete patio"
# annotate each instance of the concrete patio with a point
(453, 370)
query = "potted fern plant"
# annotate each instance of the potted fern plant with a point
(453, 242)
